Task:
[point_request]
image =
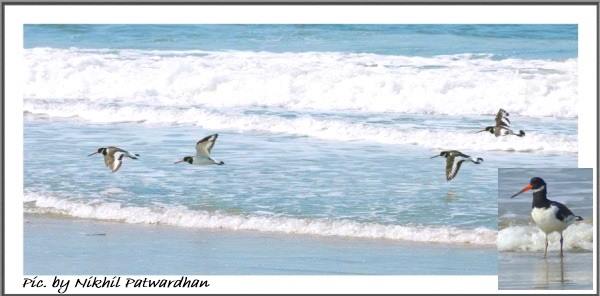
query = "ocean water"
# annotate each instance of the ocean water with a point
(325, 130)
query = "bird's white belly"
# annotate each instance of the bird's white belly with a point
(202, 161)
(546, 219)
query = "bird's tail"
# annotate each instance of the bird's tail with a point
(134, 156)
(521, 133)
(477, 161)
(578, 218)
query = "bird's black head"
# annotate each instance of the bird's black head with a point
(99, 151)
(487, 129)
(537, 183)
(187, 159)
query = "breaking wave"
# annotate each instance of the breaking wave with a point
(578, 236)
(337, 129)
(326, 81)
(183, 217)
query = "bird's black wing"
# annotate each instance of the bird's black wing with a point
(563, 211)
(502, 118)
(460, 154)
(205, 145)
(452, 171)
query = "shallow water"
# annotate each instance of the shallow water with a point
(75, 246)
(269, 182)
(530, 271)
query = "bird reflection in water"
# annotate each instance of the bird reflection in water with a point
(551, 273)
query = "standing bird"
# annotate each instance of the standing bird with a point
(113, 156)
(454, 160)
(203, 148)
(502, 126)
(548, 215)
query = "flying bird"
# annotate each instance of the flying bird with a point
(502, 126)
(113, 156)
(549, 216)
(203, 149)
(454, 160)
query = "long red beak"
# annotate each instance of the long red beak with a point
(525, 189)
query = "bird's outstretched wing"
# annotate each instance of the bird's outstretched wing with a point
(116, 165)
(204, 146)
(454, 170)
(452, 167)
(455, 160)
(117, 159)
(502, 118)
(109, 159)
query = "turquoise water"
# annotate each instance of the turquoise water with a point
(504, 41)
(270, 176)
(325, 130)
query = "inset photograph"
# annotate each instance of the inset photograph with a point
(545, 229)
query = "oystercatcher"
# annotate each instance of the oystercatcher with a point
(203, 148)
(454, 160)
(548, 215)
(502, 126)
(113, 156)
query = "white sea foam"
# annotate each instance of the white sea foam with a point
(184, 217)
(306, 125)
(578, 236)
(453, 84)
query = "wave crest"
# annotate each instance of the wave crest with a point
(184, 217)
(449, 85)
(578, 236)
(305, 125)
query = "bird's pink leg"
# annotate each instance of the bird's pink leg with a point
(561, 245)
(546, 249)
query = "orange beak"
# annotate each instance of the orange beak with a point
(525, 189)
